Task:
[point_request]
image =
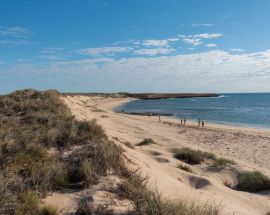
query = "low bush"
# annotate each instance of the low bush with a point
(222, 163)
(28, 203)
(48, 210)
(185, 168)
(192, 156)
(146, 141)
(253, 182)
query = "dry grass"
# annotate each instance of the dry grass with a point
(185, 168)
(148, 202)
(33, 121)
(146, 141)
(191, 156)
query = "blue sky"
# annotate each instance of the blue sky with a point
(135, 46)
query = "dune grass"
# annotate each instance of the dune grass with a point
(31, 123)
(222, 163)
(191, 156)
(185, 168)
(146, 141)
(147, 202)
(253, 182)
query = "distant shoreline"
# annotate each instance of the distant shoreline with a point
(147, 95)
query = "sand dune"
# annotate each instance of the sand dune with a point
(249, 148)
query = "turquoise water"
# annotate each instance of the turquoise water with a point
(247, 109)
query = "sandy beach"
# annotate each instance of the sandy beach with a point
(248, 147)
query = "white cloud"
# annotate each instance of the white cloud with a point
(237, 50)
(211, 45)
(211, 71)
(174, 39)
(155, 43)
(207, 36)
(196, 39)
(15, 31)
(193, 41)
(13, 42)
(154, 51)
(202, 25)
(104, 50)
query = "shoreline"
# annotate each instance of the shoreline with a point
(192, 121)
(248, 147)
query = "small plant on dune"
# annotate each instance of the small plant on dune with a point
(146, 141)
(191, 156)
(129, 145)
(253, 182)
(185, 168)
(48, 210)
(148, 202)
(28, 204)
(222, 163)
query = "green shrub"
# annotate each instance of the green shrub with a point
(253, 182)
(48, 210)
(222, 163)
(28, 204)
(191, 156)
(146, 141)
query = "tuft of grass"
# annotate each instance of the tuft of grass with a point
(28, 203)
(185, 168)
(155, 153)
(191, 156)
(162, 160)
(149, 202)
(98, 110)
(129, 145)
(222, 163)
(48, 210)
(146, 141)
(253, 182)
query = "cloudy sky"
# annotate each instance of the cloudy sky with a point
(135, 46)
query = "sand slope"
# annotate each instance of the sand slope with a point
(250, 148)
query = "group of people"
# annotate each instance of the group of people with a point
(200, 123)
(183, 121)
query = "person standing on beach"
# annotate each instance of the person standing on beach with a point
(202, 123)
(185, 121)
(181, 121)
(159, 119)
(199, 122)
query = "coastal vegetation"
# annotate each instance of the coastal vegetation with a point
(44, 149)
(185, 168)
(253, 182)
(191, 156)
(222, 163)
(146, 141)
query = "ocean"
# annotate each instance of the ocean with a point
(241, 109)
